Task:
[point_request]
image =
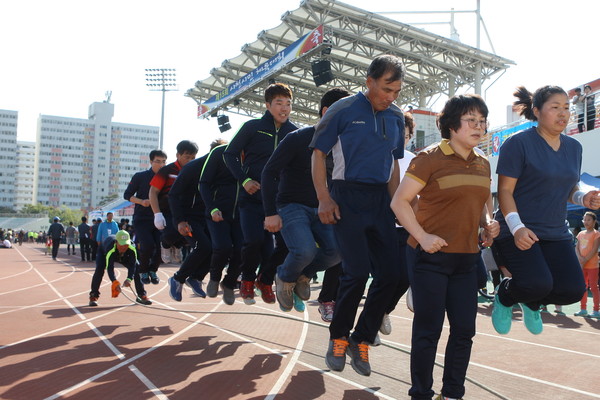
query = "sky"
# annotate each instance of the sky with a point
(60, 56)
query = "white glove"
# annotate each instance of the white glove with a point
(159, 221)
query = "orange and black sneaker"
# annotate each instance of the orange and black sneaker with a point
(266, 292)
(93, 301)
(359, 353)
(336, 354)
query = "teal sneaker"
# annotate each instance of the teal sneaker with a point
(581, 313)
(595, 314)
(532, 319)
(501, 316)
(298, 303)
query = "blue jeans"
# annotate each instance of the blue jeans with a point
(302, 231)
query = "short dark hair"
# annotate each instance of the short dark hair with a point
(217, 142)
(186, 146)
(456, 107)
(83, 219)
(331, 96)
(527, 101)
(385, 64)
(277, 89)
(157, 153)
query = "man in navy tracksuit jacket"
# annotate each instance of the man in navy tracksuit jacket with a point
(220, 191)
(290, 205)
(365, 134)
(246, 156)
(147, 236)
(187, 209)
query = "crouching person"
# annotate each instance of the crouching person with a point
(117, 248)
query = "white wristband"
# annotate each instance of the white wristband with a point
(577, 198)
(513, 220)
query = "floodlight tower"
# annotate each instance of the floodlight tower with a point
(163, 79)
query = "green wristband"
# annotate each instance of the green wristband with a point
(246, 181)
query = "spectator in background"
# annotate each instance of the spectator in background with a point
(579, 103)
(70, 234)
(590, 107)
(85, 233)
(56, 231)
(93, 243)
(106, 228)
(588, 242)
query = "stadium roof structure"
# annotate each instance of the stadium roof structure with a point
(352, 37)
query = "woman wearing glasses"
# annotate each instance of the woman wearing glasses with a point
(453, 184)
(538, 173)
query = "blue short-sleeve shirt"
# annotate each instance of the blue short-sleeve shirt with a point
(363, 143)
(545, 178)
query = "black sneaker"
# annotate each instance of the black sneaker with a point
(143, 300)
(154, 278)
(359, 353)
(336, 354)
(93, 301)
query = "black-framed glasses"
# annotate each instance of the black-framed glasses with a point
(474, 123)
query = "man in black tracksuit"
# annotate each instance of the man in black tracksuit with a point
(146, 234)
(117, 248)
(246, 156)
(188, 210)
(220, 191)
(85, 233)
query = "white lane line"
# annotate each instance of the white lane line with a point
(155, 391)
(532, 379)
(17, 274)
(283, 377)
(129, 361)
(347, 381)
(505, 372)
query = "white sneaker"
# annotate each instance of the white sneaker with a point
(409, 300)
(386, 325)
(165, 254)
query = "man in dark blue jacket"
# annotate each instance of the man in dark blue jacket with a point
(291, 206)
(220, 191)
(146, 234)
(56, 232)
(246, 156)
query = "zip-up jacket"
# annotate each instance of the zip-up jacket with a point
(251, 147)
(112, 255)
(139, 186)
(56, 230)
(105, 229)
(363, 142)
(184, 197)
(287, 176)
(218, 188)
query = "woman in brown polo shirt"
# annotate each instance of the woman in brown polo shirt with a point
(453, 184)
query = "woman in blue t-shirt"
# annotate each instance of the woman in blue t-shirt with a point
(538, 172)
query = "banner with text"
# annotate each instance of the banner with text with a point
(266, 69)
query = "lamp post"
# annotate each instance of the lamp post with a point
(163, 79)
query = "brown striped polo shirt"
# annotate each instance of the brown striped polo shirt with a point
(455, 192)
